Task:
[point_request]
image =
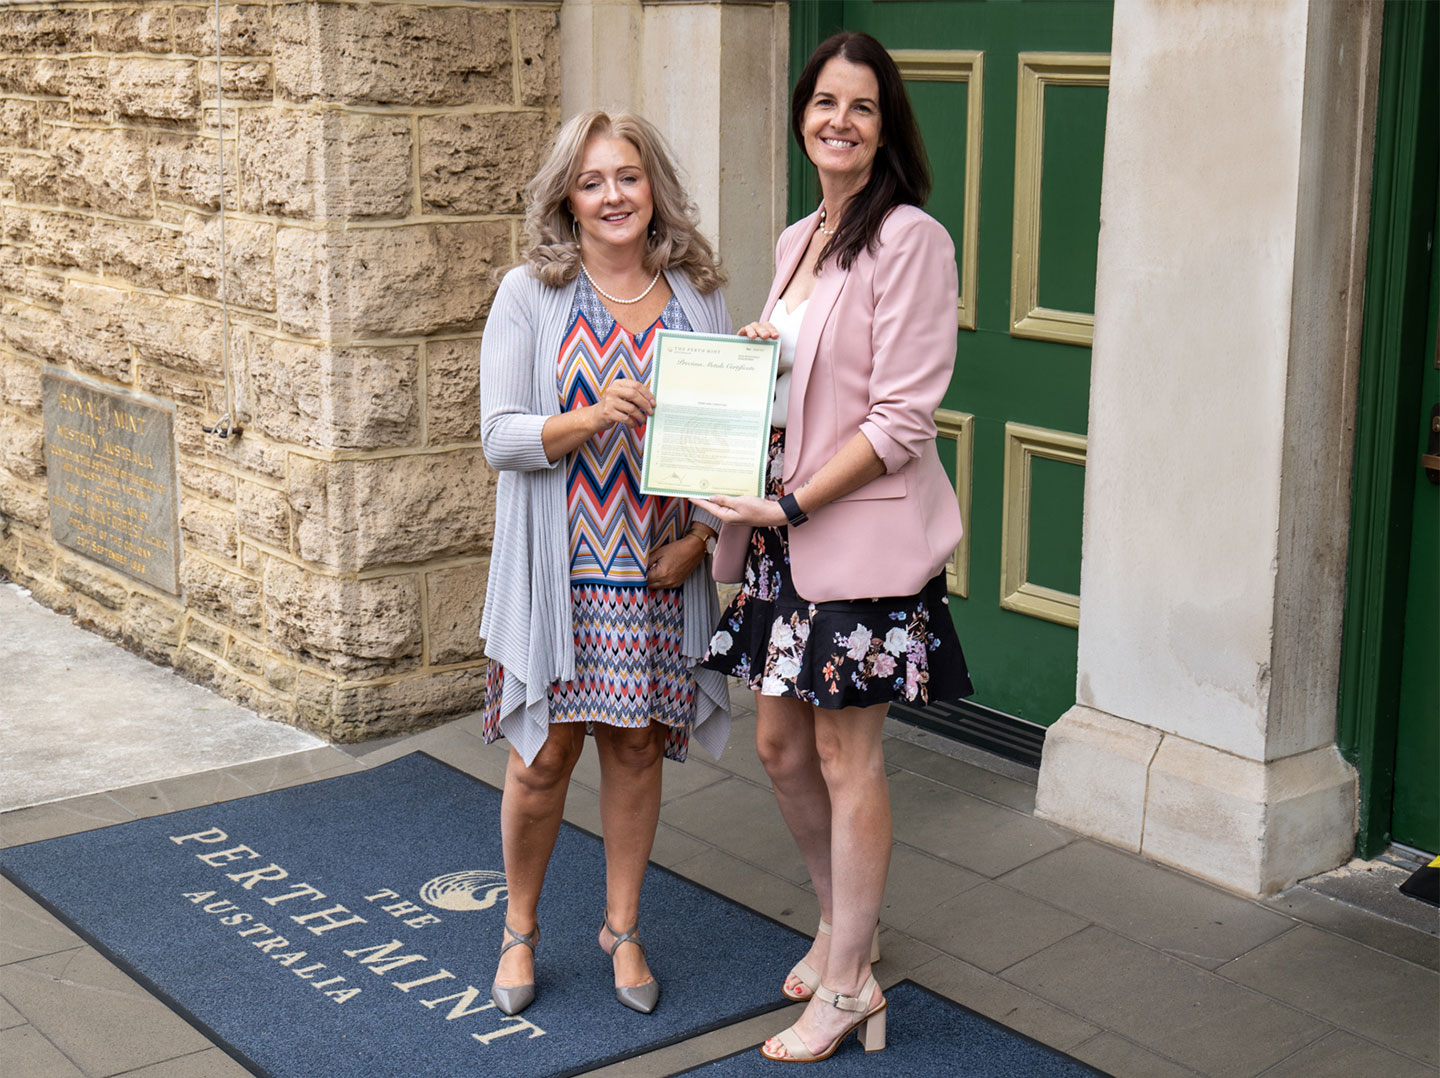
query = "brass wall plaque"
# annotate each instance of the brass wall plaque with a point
(110, 456)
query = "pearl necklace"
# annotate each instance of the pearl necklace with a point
(617, 299)
(821, 226)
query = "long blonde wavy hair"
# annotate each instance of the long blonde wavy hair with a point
(674, 241)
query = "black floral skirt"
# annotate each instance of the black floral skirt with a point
(838, 654)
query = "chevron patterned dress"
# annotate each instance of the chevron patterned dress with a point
(629, 670)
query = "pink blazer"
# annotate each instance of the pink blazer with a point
(876, 352)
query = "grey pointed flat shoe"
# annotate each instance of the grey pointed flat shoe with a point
(638, 997)
(514, 998)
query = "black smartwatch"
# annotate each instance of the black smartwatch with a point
(794, 515)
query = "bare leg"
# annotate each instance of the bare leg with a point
(630, 774)
(785, 741)
(853, 764)
(530, 813)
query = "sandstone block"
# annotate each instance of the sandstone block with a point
(36, 177)
(87, 579)
(176, 333)
(249, 260)
(245, 80)
(96, 617)
(45, 30)
(348, 53)
(247, 453)
(480, 163)
(207, 528)
(152, 628)
(12, 269)
(280, 676)
(408, 280)
(22, 447)
(20, 122)
(38, 558)
(150, 256)
(452, 384)
(135, 29)
(154, 89)
(88, 87)
(107, 170)
(34, 76)
(366, 711)
(335, 398)
(203, 634)
(186, 169)
(44, 286)
(231, 684)
(63, 240)
(435, 506)
(456, 597)
(324, 165)
(244, 30)
(350, 625)
(92, 335)
(20, 382)
(264, 513)
(182, 388)
(35, 330)
(24, 501)
(537, 40)
(207, 481)
(222, 594)
(245, 656)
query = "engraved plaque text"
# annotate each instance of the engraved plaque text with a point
(111, 462)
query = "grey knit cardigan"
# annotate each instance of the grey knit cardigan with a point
(527, 624)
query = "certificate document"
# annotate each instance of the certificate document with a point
(711, 426)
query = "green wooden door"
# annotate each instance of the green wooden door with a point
(1416, 819)
(1011, 100)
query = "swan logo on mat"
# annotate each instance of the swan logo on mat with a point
(471, 889)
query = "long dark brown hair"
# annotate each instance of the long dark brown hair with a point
(900, 173)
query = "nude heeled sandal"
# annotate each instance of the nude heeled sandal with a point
(514, 998)
(806, 974)
(869, 1027)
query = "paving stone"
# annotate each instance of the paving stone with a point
(1343, 1055)
(9, 1016)
(1189, 1015)
(281, 771)
(1120, 1058)
(211, 1063)
(1375, 995)
(681, 780)
(965, 830)
(1012, 793)
(29, 929)
(1149, 903)
(918, 883)
(987, 994)
(60, 818)
(760, 890)
(26, 1053)
(1360, 925)
(178, 794)
(993, 927)
(743, 820)
(123, 1026)
(697, 1050)
(672, 846)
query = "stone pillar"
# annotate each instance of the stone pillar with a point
(712, 76)
(334, 556)
(1231, 265)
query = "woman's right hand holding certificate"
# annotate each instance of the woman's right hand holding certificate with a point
(759, 331)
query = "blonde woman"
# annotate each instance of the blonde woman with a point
(600, 599)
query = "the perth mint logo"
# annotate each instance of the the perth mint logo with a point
(472, 889)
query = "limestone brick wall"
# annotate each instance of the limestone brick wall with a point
(334, 556)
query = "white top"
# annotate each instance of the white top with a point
(788, 323)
